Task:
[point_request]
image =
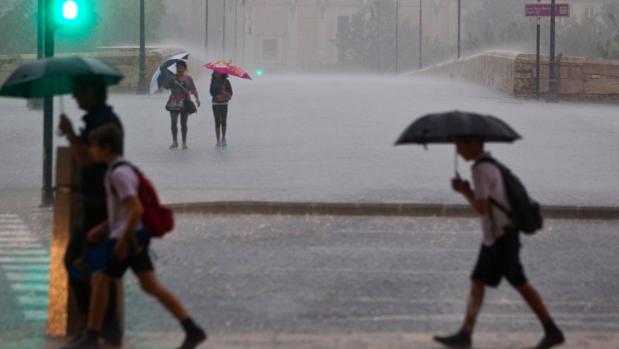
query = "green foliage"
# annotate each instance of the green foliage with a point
(500, 25)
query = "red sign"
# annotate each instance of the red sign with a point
(543, 10)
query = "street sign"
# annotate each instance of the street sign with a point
(543, 10)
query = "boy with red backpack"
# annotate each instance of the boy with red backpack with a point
(132, 208)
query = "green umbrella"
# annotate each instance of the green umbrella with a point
(54, 76)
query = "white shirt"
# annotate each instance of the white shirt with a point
(120, 184)
(488, 183)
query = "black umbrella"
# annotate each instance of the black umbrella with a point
(54, 76)
(446, 127)
(449, 126)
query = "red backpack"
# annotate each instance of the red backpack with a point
(157, 219)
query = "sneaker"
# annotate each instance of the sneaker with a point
(550, 340)
(174, 145)
(224, 143)
(84, 342)
(459, 340)
(71, 341)
(193, 338)
(185, 146)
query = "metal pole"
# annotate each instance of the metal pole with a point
(206, 30)
(47, 196)
(552, 96)
(223, 38)
(459, 18)
(236, 24)
(142, 87)
(420, 35)
(537, 54)
(397, 19)
(40, 28)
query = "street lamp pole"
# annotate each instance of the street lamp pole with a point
(397, 20)
(420, 35)
(459, 21)
(142, 87)
(205, 29)
(223, 38)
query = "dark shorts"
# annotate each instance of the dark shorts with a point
(139, 262)
(502, 259)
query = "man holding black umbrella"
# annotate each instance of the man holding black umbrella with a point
(499, 256)
(91, 95)
(503, 205)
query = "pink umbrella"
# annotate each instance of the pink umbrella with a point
(226, 67)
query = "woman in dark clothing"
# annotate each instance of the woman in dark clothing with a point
(181, 88)
(221, 91)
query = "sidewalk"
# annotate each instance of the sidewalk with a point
(362, 341)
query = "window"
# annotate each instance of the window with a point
(343, 23)
(270, 50)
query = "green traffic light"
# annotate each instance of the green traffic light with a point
(259, 72)
(73, 19)
(70, 10)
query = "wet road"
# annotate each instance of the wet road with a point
(293, 139)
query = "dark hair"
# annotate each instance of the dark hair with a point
(223, 76)
(94, 83)
(108, 134)
(182, 63)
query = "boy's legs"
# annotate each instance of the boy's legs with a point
(151, 285)
(475, 301)
(149, 282)
(552, 334)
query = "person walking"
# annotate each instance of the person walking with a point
(181, 88)
(221, 93)
(499, 255)
(91, 96)
(129, 241)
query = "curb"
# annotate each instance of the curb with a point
(377, 209)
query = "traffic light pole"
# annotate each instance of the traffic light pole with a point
(142, 86)
(47, 197)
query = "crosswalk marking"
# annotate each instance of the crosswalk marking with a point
(36, 315)
(20, 259)
(26, 267)
(28, 277)
(25, 263)
(24, 252)
(33, 300)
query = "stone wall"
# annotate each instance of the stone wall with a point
(125, 59)
(514, 73)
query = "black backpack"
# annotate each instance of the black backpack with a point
(525, 215)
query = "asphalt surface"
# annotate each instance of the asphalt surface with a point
(336, 275)
(330, 139)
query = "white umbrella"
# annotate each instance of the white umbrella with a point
(170, 64)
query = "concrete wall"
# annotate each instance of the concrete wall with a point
(125, 59)
(514, 73)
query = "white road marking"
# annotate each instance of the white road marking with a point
(35, 315)
(29, 287)
(44, 277)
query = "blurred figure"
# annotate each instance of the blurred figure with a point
(181, 88)
(91, 96)
(221, 91)
(124, 232)
(499, 256)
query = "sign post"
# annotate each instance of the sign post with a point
(551, 10)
